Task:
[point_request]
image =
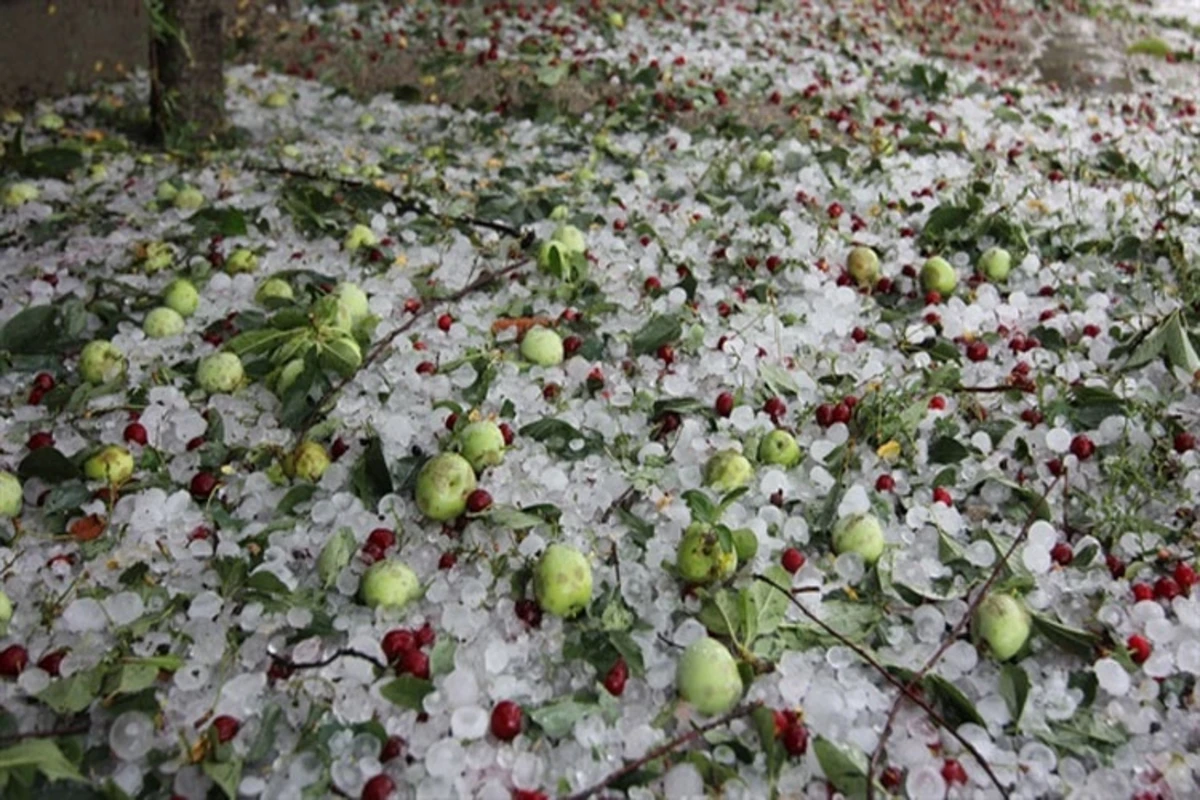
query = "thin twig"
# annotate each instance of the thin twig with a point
(1004, 387)
(906, 688)
(485, 278)
(341, 652)
(67, 730)
(664, 749)
(960, 626)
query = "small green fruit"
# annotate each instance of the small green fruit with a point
(562, 581)
(728, 470)
(443, 485)
(863, 266)
(482, 444)
(366, 121)
(11, 495)
(157, 256)
(288, 375)
(220, 373)
(859, 533)
(389, 584)
(51, 122)
(351, 297)
(277, 100)
(241, 260)
(274, 289)
(307, 462)
(763, 162)
(745, 544)
(707, 677)
(617, 20)
(360, 236)
(163, 323)
(779, 447)
(342, 355)
(165, 192)
(938, 275)
(571, 238)
(701, 559)
(6, 612)
(543, 347)
(995, 264)
(112, 464)
(101, 362)
(18, 194)
(1003, 622)
(189, 199)
(182, 296)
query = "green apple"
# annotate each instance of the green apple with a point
(1003, 622)
(360, 236)
(6, 612)
(50, 121)
(182, 296)
(543, 347)
(163, 323)
(101, 362)
(728, 470)
(366, 121)
(351, 297)
(11, 495)
(995, 264)
(863, 266)
(616, 19)
(274, 289)
(18, 194)
(562, 581)
(779, 447)
(701, 559)
(763, 162)
(220, 373)
(112, 464)
(189, 199)
(443, 485)
(707, 677)
(745, 544)
(938, 275)
(389, 584)
(277, 99)
(859, 533)
(307, 462)
(482, 444)
(157, 256)
(165, 192)
(241, 260)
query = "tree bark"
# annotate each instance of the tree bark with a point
(187, 81)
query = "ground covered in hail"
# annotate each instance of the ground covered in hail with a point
(740, 400)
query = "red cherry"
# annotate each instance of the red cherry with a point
(933, 298)
(795, 740)
(614, 679)
(652, 285)
(479, 500)
(1062, 553)
(841, 413)
(1082, 447)
(1055, 465)
(396, 643)
(824, 415)
(1139, 648)
(885, 483)
(226, 727)
(977, 351)
(506, 720)
(380, 787)
(1091, 330)
(529, 794)
(392, 748)
(724, 404)
(135, 432)
(792, 560)
(1116, 567)
(528, 611)
(953, 772)
(412, 305)
(426, 368)
(942, 495)
(859, 335)
(937, 403)
(203, 485)
(13, 660)
(1184, 442)
(39, 440)
(415, 663)
(381, 539)
(447, 560)
(43, 381)
(451, 421)
(426, 635)
(1141, 591)
(550, 391)
(666, 354)
(35, 397)
(775, 408)
(507, 432)
(835, 210)
(51, 662)
(891, 778)
(571, 345)
(1165, 588)
(445, 322)
(1185, 575)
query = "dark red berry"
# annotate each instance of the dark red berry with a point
(1116, 567)
(1165, 588)
(571, 345)
(506, 720)
(652, 285)
(953, 772)
(13, 660)
(39, 440)
(528, 611)
(529, 794)
(795, 740)
(51, 663)
(445, 322)
(775, 408)
(885, 483)
(1082, 447)
(396, 643)
(1185, 575)
(1184, 442)
(977, 351)
(392, 748)
(1141, 591)
(426, 368)
(479, 500)
(226, 727)
(792, 560)
(426, 635)
(891, 778)
(507, 432)
(942, 495)
(381, 539)
(1062, 553)
(937, 403)
(447, 560)
(614, 679)
(414, 663)
(859, 335)
(824, 415)
(1091, 330)
(43, 381)
(724, 404)
(841, 413)
(666, 354)
(1139, 648)
(380, 787)
(203, 485)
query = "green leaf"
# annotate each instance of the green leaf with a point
(407, 692)
(74, 693)
(370, 477)
(558, 719)
(943, 221)
(1014, 688)
(441, 658)
(957, 708)
(265, 739)
(28, 331)
(49, 465)
(763, 719)
(131, 678)
(300, 493)
(947, 450)
(43, 755)
(770, 604)
(1091, 405)
(624, 644)
(50, 162)
(721, 613)
(844, 767)
(1074, 640)
(266, 582)
(335, 556)
(1150, 46)
(558, 437)
(226, 775)
(210, 221)
(514, 518)
(702, 507)
(659, 330)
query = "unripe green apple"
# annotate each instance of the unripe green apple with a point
(100, 362)
(351, 297)
(701, 559)
(11, 495)
(182, 296)
(6, 612)
(728, 470)
(18, 194)
(779, 447)
(157, 256)
(389, 584)
(863, 266)
(113, 464)
(163, 323)
(707, 677)
(165, 192)
(938, 275)
(763, 162)
(443, 485)
(859, 533)
(360, 236)
(562, 581)
(50, 121)
(274, 289)
(366, 121)
(616, 19)
(277, 99)
(1003, 622)
(241, 260)
(543, 347)
(220, 373)
(482, 444)
(995, 264)
(189, 199)
(307, 462)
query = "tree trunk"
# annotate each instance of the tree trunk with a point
(187, 83)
